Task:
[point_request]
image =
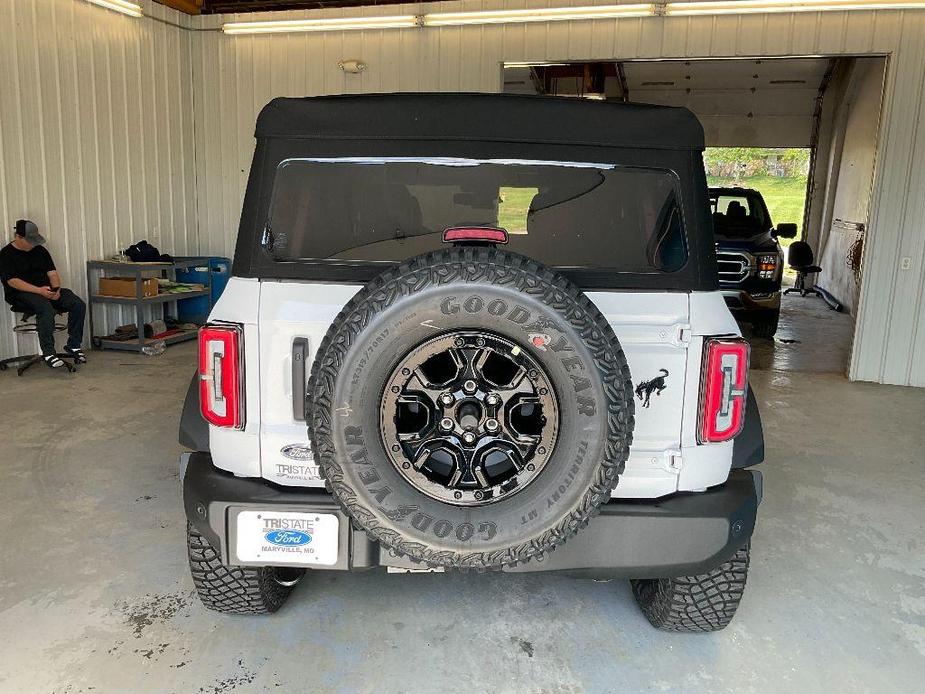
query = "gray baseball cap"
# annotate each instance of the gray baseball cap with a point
(29, 231)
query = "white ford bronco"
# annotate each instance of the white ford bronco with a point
(472, 331)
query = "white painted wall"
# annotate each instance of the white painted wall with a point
(96, 135)
(134, 69)
(828, 148)
(851, 176)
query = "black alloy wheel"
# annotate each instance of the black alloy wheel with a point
(469, 417)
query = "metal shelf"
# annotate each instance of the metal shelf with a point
(97, 268)
(157, 299)
(133, 345)
(133, 268)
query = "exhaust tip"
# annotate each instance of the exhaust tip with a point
(286, 576)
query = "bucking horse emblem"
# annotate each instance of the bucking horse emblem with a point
(645, 388)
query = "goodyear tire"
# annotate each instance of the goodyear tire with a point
(706, 602)
(236, 589)
(560, 339)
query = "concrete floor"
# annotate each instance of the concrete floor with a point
(95, 595)
(811, 337)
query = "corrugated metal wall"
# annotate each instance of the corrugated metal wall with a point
(889, 343)
(104, 140)
(236, 75)
(96, 133)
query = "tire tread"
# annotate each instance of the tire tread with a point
(765, 329)
(702, 603)
(231, 589)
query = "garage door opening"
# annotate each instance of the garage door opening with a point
(778, 173)
(803, 132)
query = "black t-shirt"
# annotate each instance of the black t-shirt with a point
(29, 266)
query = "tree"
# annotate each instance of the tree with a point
(796, 161)
(742, 162)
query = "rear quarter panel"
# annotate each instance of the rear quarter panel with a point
(653, 329)
(289, 310)
(235, 450)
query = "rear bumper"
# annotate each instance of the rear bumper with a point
(680, 535)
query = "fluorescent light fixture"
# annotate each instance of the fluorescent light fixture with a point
(129, 8)
(545, 14)
(333, 24)
(687, 9)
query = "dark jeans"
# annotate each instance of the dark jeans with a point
(45, 311)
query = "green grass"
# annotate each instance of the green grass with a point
(785, 197)
(512, 211)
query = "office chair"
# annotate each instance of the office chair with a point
(800, 258)
(25, 327)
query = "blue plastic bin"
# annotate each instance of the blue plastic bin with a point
(196, 310)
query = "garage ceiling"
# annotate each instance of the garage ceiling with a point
(741, 103)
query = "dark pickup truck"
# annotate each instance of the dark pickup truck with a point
(749, 258)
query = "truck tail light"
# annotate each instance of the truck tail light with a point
(475, 235)
(221, 375)
(723, 389)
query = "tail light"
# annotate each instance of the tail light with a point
(221, 377)
(723, 389)
(474, 235)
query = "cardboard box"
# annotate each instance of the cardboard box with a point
(125, 286)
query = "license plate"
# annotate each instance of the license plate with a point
(280, 537)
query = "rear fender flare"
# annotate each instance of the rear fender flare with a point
(748, 446)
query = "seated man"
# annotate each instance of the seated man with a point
(31, 284)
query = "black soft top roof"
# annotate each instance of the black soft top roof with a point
(481, 117)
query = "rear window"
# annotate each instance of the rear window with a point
(738, 216)
(566, 215)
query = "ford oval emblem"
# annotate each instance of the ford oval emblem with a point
(287, 538)
(298, 451)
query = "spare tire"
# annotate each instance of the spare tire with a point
(471, 408)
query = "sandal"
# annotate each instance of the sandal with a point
(76, 354)
(53, 361)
